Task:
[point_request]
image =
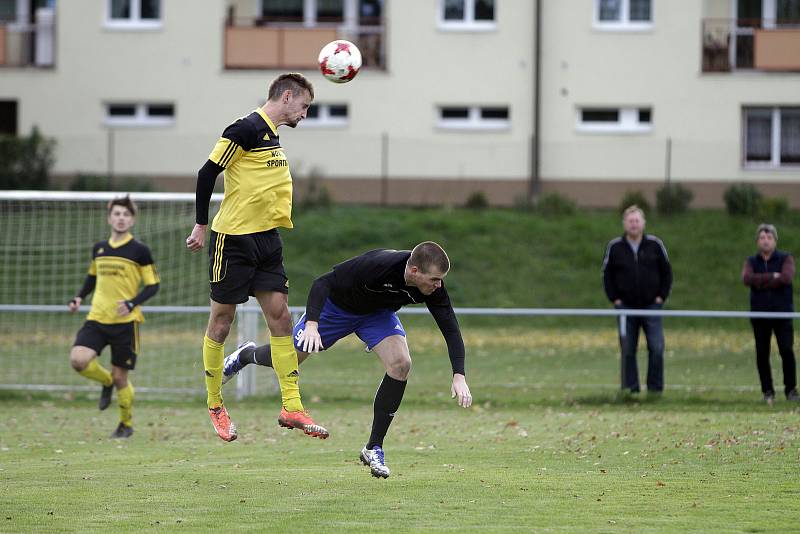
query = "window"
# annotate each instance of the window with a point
(134, 14)
(326, 115)
(474, 118)
(8, 117)
(615, 120)
(771, 137)
(309, 12)
(623, 14)
(467, 15)
(140, 114)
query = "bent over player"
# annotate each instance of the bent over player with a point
(246, 251)
(361, 296)
(120, 266)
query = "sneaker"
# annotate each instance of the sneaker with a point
(122, 431)
(793, 396)
(226, 430)
(105, 397)
(302, 420)
(375, 460)
(769, 398)
(232, 365)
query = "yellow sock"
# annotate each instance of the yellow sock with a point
(284, 361)
(213, 356)
(95, 371)
(125, 398)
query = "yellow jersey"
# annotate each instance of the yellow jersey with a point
(121, 267)
(258, 184)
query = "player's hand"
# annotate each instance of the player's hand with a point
(197, 239)
(74, 304)
(122, 308)
(309, 339)
(460, 391)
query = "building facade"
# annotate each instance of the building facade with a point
(630, 93)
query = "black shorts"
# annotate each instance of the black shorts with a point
(241, 265)
(123, 338)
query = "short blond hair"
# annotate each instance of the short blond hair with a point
(632, 209)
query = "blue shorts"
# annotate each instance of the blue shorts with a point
(335, 323)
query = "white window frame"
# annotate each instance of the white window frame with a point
(624, 24)
(628, 122)
(324, 118)
(775, 142)
(135, 22)
(474, 121)
(140, 118)
(468, 23)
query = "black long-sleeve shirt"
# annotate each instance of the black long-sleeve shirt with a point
(374, 281)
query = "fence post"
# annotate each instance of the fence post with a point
(247, 330)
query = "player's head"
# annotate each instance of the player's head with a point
(766, 238)
(121, 214)
(293, 93)
(633, 221)
(427, 267)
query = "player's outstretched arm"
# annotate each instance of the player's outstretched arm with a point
(460, 391)
(88, 286)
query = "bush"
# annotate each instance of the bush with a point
(673, 198)
(772, 208)
(634, 197)
(99, 182)
(316, 194)
(25, 162)
(742, 199)
(477, 201)
(556, 204)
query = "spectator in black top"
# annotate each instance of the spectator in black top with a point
(769, 275)
(361, 296)
(637, 275)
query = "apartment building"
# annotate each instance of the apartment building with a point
(629, 93)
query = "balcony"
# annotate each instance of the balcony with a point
(258, 44)
(751, 44)
(28, 45)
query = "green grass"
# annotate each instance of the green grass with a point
(548, 447)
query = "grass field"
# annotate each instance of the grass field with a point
(549, 446)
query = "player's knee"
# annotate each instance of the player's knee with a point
(400, 369)
(219, 327)
(78, 361)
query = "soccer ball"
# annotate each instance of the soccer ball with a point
(339, 61)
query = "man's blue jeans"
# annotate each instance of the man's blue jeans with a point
(628, 342)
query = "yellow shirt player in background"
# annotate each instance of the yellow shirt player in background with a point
(120, 266)
(246, 251)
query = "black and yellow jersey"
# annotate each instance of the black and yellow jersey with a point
(258, 184)
(121, 267)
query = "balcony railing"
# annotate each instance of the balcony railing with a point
(28, 45)
(255, 44)
(751, 44)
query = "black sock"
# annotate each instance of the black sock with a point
(387, 401)
(260, 355)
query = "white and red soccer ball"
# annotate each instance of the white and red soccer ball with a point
(339, 61)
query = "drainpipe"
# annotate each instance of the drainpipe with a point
(535, 186)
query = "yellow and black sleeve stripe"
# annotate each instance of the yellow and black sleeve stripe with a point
(225, 152)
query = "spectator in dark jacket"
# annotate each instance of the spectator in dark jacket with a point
(769, 275)
(637, 275)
